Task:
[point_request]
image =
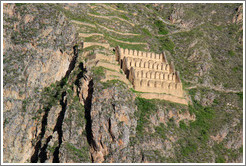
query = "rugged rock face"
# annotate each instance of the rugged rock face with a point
(38, 48)
(61, 106)
(112, 122)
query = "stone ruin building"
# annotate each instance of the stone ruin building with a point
(150, 72)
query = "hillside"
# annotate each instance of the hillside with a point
(67, 100)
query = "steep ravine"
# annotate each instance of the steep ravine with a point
(40, 153)
(87, 106)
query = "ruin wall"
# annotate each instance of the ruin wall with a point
(150, 72)
(121, 53)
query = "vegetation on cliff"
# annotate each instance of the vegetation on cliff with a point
(60, 106)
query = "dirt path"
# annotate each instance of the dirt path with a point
(83, 23)
(89, 34)
(101, 26)
(215, 88)
(110, 18)
(108, 58)
(120, 33)
(88, 44)
(126, 42)
(174, 32)
(109, 65)
(111, 8)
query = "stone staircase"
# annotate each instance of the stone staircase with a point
(106, 59)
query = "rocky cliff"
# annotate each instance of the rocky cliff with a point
(70, 104)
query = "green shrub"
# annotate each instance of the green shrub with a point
(220, 159)
(202, 123)
(146, 32)
(112, 83)
(124, 17)
(120, 6)
(215, 101)
(240, 94)
(235, 69)
(167, 44)
(182, 125)
(241, 149)
(98, 71)
(231, 53)
(51, 94)
(162, 27)
(161, 130)
(20, 4)
(145, 108)
(82, 154)
(190, 147)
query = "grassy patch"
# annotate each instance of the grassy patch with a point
(134, 91)
(167, 44)
(161, 26)
(197, 133)
(182, 125)
(98, 71)
(92, 48)
(94, 38)
(81, 154)
(52, 148)
(124, 17)
(231, 53)
(202, 124)
(188, 147)
(112, 83)
(51, 94)
(71, 15)
(20, 4)
(220, 159)
(120, 6)
(161, 131)
(146, 32)
(114, 76)
(145, 108)
(139, 47)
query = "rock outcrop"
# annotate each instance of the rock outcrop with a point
(37, 52)
(65, 102)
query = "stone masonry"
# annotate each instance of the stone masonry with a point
(150, 72)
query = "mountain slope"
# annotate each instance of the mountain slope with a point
(67, 103)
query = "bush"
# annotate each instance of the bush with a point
(124, 17)
(161, 130)
(162, 27)
(113, 83)
(241, 149)
(145, 107)
(20, 4)
(82, 153)
(146, 32)
(203, 123)
(240, 95)
(167, 44)
(231, 53)
(182, 125)
(190, 147)
(220, 159)
(98, 71)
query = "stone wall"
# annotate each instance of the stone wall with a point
(150, 72)
(121, 53)
(88, 44)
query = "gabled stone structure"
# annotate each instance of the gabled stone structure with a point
(150, 72)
